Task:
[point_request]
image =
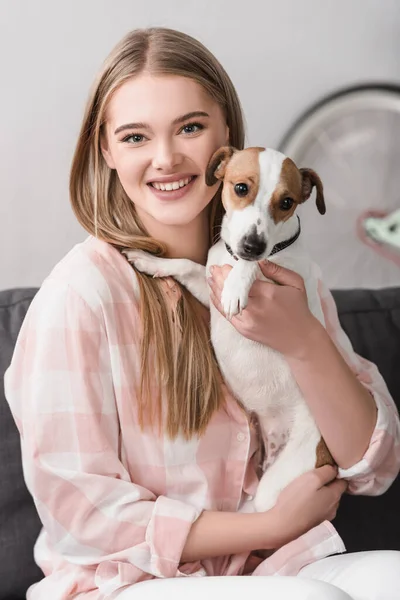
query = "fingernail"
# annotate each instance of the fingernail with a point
(212, 269)
(210, 280)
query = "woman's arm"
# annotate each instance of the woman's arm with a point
(60, 388)
(380, 463)
(306, 502)
(343, 409)
(346, 393)
(224, 533)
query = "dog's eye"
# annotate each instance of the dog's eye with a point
(241, 189)
(286, 203)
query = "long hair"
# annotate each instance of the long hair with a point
(176, 353)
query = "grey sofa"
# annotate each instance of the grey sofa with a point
(371, 319)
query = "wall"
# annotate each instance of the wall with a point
(282, 56)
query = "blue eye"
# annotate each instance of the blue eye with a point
(136, 138)
(192, 128)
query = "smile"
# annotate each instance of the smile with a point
(172, 185)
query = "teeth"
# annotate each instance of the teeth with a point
(173, 185)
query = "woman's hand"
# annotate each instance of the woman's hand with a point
(276, 315)
(305, 503)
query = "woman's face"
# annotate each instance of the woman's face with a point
(161, 132)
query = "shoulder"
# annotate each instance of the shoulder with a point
(94, 273)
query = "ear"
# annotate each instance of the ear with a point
(105, 150)
(309, 180)
(217, 166)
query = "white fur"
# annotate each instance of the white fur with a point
(257, 375)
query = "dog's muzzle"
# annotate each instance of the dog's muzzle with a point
(252, 247)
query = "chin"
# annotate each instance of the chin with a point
(174, 221)
(178, 217)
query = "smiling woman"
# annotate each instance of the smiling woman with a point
(161, 155)
(142, 464)
(154, 120)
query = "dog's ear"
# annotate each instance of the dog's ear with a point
(309, 180)
(216, 167)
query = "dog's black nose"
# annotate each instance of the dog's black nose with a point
(253, 246)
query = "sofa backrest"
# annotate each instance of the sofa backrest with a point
(371, 319)
(19, 522)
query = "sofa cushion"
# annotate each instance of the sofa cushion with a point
(19, 523)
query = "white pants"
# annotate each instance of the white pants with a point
(358, 576)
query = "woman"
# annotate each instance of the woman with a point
(141, 464)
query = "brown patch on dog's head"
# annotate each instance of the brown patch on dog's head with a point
(294, 188)
(240, 171)
(288, 193)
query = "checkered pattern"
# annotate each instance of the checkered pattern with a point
(117, 503)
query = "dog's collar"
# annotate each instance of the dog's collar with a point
(278, 247)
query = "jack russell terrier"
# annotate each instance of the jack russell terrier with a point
(261, 190)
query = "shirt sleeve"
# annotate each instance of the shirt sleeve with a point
(380, 465)
(60, 390)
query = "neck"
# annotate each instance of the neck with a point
(191, 241)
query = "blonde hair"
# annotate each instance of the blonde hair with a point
(176, 348)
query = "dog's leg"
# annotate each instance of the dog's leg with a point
(188, 273)
(237, 286)
(297, 456)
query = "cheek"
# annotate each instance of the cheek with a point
(128, 168)
(208, 144)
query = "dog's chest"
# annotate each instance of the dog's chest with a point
(257, 375)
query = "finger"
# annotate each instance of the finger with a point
(213, 285)
(220, 273)
(336, 489)
(332, 514)
(339, 485)
(326, 474)
(259, 287)
(216, 302)
(281, 275)
(226, 269)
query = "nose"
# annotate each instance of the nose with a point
(166, 156)
(253, 246)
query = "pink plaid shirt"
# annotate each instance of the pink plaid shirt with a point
(117, 503)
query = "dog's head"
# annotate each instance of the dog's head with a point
(261, 191)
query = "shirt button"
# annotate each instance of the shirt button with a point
(250, 497)
(240, 437)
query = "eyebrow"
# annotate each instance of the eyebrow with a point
(177, 121)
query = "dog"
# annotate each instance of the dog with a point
(261, 191)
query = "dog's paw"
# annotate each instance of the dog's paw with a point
(147, 263)
(234, 297)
